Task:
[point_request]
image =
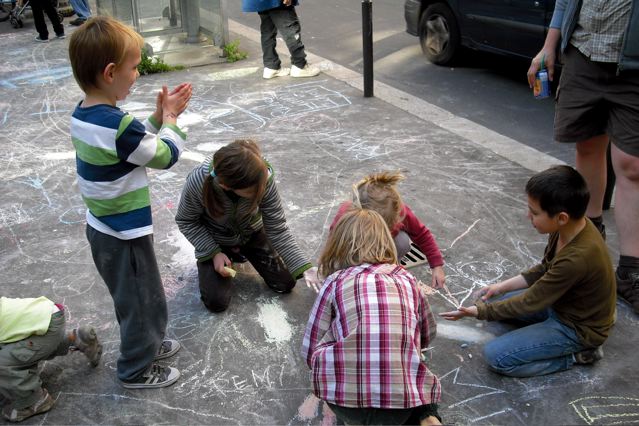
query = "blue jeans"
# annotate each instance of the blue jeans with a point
(81, 8)
(544, 346)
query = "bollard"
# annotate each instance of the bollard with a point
(367, 38)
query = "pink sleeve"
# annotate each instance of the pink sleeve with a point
(343, 208)
(422, 237)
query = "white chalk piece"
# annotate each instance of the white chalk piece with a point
(230, 271)
(470, 355)
(464, 345)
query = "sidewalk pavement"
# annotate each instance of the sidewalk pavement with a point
(243, 366)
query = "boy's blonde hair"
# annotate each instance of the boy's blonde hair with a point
(101, 40)
(360, 236)
(379, 192)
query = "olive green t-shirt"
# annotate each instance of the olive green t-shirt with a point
(578, 283)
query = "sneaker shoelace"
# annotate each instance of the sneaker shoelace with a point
(158, 372)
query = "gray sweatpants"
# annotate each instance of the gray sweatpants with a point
(130, 271)
(19, 379)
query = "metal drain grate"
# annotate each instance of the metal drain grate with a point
(413, 258)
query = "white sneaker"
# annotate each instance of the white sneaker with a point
(271, 73)
(308, 71)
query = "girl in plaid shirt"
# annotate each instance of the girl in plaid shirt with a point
(365, 333)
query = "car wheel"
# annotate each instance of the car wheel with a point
(439, 34)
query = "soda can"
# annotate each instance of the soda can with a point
(542, 85)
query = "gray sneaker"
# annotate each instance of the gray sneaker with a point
(156, 376)
(86, 341)
(168, 348)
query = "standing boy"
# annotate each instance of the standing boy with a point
(280, 15)
(32, 330)
(113, 150)
(567, 301)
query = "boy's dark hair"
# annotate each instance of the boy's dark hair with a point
(560, 189)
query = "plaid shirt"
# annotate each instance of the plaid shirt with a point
(364, 338)
(600, 29)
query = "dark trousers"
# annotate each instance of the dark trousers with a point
(130, 271)
(284, 20)
(216, 290)
(39, 8)
(19, 378)
(384, 416)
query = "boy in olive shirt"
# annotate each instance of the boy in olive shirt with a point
(567, 302)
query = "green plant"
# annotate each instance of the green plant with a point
(233, 53)
(152, 65)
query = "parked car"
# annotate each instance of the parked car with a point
(509, 27)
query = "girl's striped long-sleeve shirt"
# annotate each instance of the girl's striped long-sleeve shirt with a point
(236, 225)
(113, 150)
(364, 338)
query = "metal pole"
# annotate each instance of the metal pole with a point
(367, 38)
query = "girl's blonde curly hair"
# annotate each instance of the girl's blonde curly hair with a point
(378, 192)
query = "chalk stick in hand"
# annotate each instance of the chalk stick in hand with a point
(230, 271)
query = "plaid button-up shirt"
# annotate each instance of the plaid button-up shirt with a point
(600, 29)
(364, 338)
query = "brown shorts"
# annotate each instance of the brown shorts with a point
(593, 100)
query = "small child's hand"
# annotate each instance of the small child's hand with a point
(175, 102)
(489, 291)
(220, 260)
(460, 313)
(312, 279)
(438, 277)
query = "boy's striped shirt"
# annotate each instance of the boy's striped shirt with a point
(113, 150)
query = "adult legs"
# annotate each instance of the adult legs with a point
(627, 218)
(38, 18)
(626, 169)
(288, 24)
(81, 8)
(52, 13)
(268, 33)
(130, 271)
(591, 164)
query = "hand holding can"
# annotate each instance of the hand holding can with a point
(541, 89)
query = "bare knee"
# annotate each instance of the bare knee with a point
(626, 166)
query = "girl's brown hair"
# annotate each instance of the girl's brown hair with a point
(238, 165)
(97, 43)
(360, 236)
(379, 192)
